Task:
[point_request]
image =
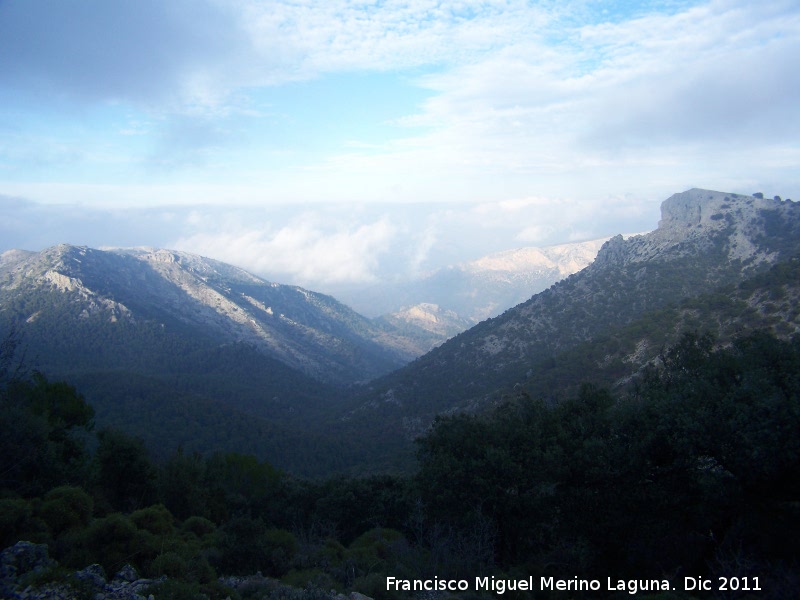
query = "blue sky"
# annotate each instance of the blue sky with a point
(334, 141)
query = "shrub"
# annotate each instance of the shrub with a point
(199, 526)
(156, 519)
(114, 541)
(172, 589)
(309, 577)
(18, 523)
(66, 508)
(169, 564)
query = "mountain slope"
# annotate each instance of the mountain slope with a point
(310, 332)
(191, 353)
(705, 241)
(428, 325)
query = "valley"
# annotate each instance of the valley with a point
(289, 374)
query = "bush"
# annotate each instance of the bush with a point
(114, 541)
(376, 546)
(169, 564)
(282, 547)
(374, 586)
(199, 526)
(172, 589)
(18, 523)
(156, 519)
(309, 577)
(241, 546)
(66, 508)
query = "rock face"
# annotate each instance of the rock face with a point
(19, 560)
(746, 227)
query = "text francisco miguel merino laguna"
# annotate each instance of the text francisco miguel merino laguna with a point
(631, 586)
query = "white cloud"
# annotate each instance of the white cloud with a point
(305, 250)
(523, 99)
(647, 104)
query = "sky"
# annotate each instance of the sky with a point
(337, 142)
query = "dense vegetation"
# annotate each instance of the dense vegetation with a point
(693, 470)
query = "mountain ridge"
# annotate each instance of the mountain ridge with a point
(706, 240)
(305, 330)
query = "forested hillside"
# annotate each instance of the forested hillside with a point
(691, 469)
(189, 352)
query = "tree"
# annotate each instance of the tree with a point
(44, 428)
(125, 474)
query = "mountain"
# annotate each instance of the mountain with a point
(427, 324)
(304, 330)
(478, 289)
(188, 352)
(710, 249)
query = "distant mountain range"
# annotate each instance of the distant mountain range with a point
(468, 293)
(187, 351)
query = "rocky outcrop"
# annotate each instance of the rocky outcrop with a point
(612, 252)
(749, 229)
(22, 562)
(258, 586)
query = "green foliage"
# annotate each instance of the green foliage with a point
(174, 589)
(599, 484)
(694, 467)
(60, 403)
(247, 546)
(309, 577)
(199, 526)
(125, 474)
(156, 519)
(282, 547)
(43, 431)
(18, 522)
(114, 541)
(241, 547)
(66, 508)
(183, 486)
(170, 564)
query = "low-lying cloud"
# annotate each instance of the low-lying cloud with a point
(303, 251)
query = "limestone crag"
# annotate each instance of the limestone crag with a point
(707, 242)
(697, 217)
